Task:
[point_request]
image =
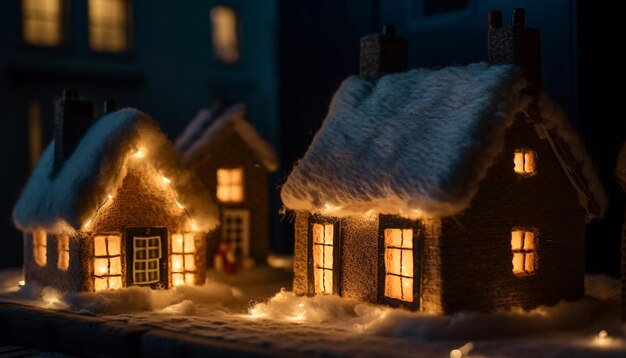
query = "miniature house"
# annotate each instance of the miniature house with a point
(462, 188)
(234, 162)
(109, 205)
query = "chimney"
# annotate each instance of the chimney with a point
(382, 54)
(516, 44)
(72, 117)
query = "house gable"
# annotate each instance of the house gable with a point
(476, 253)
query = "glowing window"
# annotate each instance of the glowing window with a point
(523, 245)
(323, 235)
(63, 252)
(42, 22)
(35, 124)
(399, 264)
(40, 247)
(108, 21)
(230, 185)
(107, 264)
(224, 27)
(183, 259)
(525, 162)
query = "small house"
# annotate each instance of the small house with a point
(109, 205)
(234, 163)
(460, 188)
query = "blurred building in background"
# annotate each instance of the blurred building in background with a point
(166, 58)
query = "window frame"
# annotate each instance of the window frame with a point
(143, 231)
(231, 184)
(63, 252)
(64, 26)
(128, 33)
(524, 152)
(183, 253)
(108, 257)
(534, 251)
(337, 243)
(40, 261)
(396, 222)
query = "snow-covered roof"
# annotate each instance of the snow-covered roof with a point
(418, 143)
(67, 200)
(209, 130)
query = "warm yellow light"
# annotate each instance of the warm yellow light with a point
(139, 153)
(456, 353)
(87, 224)
(107, 25)
(603, 334)
(42, 22)
(523, 243)
(40, 247)
(110, 196)
(230, 185)
(399, 264)
(524, 162)
(166, 180)
(63, 252)
(21, 283)
(180, 205)
(224, 27)
(323, 257)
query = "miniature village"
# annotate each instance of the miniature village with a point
(436, 211)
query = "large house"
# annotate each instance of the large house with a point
(109, 205)
(234, 163)
(461, 188)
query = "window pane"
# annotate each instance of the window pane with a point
(177, 243)
(529, 240)
(323, 256)
(399, 238)
(518, 160)
(529, 265)
(190, 243)
(116, 266)
(177, 263)
(529, 162)
(41, 21)
(178, 279)
(236, 193)
(518, 262)
(101, 266)
(323, 281)
(115, 282)
(224, 27)
(399, 262)
(63, 258)
(400, 288)
(190, 278)
(114, 245)
(107, 25)
(190, 262)
(318, 233)
(516, 239)
(99, 245)
(40, 250)
(100, 284)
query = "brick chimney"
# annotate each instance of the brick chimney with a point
(72, 117)
(516, 44)
(382, 54)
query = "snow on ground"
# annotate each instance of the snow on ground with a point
(246, 309)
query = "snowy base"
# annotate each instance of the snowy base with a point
(335, 326)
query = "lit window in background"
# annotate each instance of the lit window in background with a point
(224, 28)
(399, 264)
(42, 22)
(40, 247)
(525, 162)
(108, 22)
(183, 259)
(107, 263)
(523, 245)
(323, 235)
(33, 113)
(63, 251)
(230, 185)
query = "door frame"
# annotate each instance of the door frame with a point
(396, 222)
(245, 248)
(145, 231)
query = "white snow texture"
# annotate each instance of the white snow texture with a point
(97, 167)
(416, 142)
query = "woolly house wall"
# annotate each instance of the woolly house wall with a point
(123, 180)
